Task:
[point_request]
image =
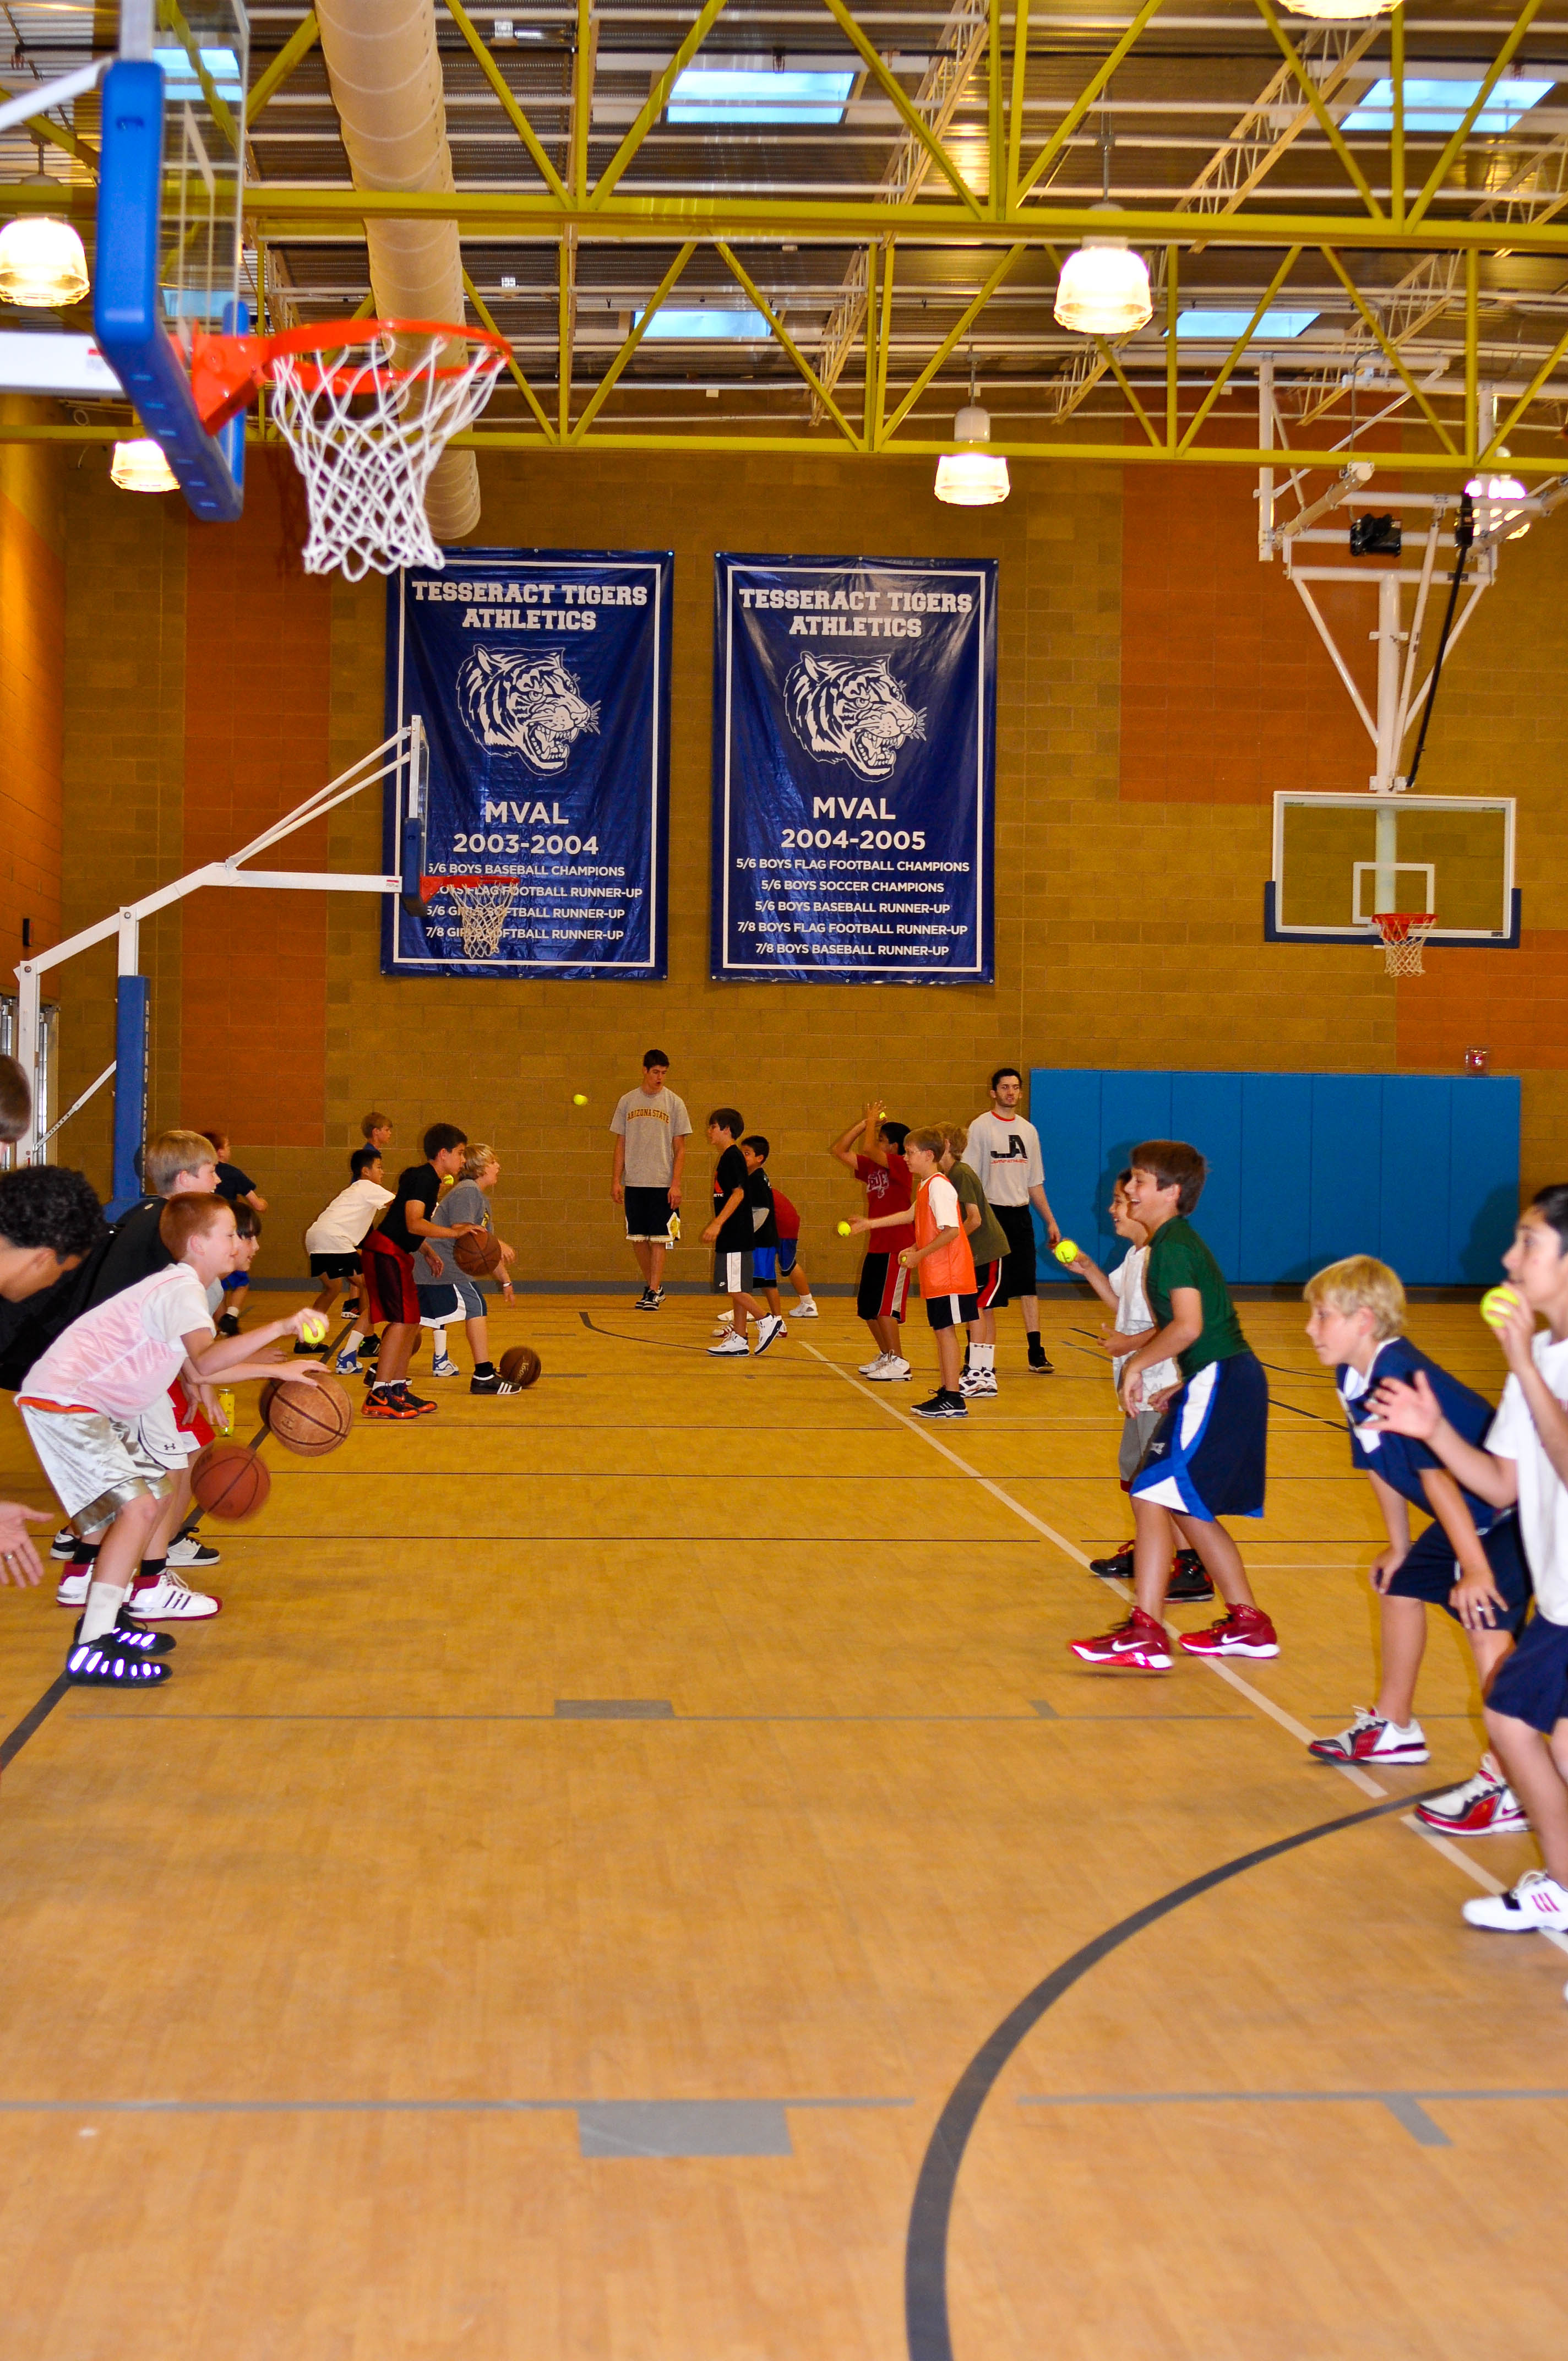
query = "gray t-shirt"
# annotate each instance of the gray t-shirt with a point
(651, 1128)
(464, 1203)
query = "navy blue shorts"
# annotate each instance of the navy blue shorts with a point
(786, 1250)
(1208, 1456)
(1431, 1570)
(764, 1266)
(1532, 1685)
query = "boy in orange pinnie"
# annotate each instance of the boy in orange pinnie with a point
(941, 1255)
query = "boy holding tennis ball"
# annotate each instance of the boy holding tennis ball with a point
(1523, 1464)
(1470, 1562)
(1209, 1456)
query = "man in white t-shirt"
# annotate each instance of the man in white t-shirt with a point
(1003, 1152)
(651, 1127)
(1525, 1461)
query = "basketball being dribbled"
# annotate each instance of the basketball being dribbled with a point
(306, 1417)
(520, 1367)
(477, 1254)
(229, 1480)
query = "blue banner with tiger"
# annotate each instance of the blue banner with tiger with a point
(535, 842)
(854, 714)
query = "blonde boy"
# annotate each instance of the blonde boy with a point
(97, 1410)
(1470, 1562)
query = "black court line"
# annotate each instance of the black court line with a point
(13, 1743)
(927, 2329)
(1336, 1425)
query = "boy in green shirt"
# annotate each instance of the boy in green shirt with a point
(1207, 1458)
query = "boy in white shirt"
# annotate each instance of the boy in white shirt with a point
(1003, 1153)
(1525, 1460)
(1122, 1291)
(335, 1238)
(97, 1412)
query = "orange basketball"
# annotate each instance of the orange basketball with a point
(230, 1481)
(477, 1254)
(311, 1417)
(521, 1366)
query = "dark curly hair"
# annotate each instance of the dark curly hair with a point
(46, 1205)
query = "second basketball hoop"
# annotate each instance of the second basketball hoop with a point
(366, 407)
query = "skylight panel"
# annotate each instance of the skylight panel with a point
(1433, 103)
(183, 82)
(708, 325)
(747, 94)
(1226, 326)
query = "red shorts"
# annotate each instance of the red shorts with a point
(189, 1416)
(388, 1280)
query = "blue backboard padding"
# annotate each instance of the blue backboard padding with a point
(126, 300)
(1420, 1170)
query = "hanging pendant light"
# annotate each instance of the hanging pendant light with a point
(42, 263)
(1103, 290)
(975, 478)
(140, 467)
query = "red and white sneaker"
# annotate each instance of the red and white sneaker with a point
(1485, 1806)
(1370, 1738)
(1538, 1904)
(1138, 1645)
(1240, 1632)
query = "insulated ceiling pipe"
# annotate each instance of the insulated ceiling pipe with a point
(385, 73)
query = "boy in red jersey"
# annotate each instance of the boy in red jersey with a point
(941, 1253)
(884, 1283)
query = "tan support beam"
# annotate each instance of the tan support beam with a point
(565, 329)
(298, 45)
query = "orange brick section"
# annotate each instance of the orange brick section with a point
(1514, 1002)
(257, 696)
(1227, 692)
(32, 632)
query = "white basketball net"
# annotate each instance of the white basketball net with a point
(1402, 940)
(482, 910)
(366, 424)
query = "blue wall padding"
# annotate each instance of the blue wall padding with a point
(1422, 1169)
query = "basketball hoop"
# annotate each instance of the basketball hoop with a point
(1403, 936)
(366, 407)
(483, 905)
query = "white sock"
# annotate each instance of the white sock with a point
(103, 1604)
(353, 1341)
(802, 1300)
(438, 1343)
(987, 1355)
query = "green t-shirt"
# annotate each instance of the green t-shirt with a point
(989, 1243)
(1179, 1257)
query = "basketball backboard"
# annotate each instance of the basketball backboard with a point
(1340, 860)
(169, 200)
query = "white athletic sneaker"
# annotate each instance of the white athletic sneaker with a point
(63, 1543)
(1483, 1806)
(804, 1309)
(1537, 1903)
(1370, 1738)
(171, 1600)
(734, 1347)
(869, 1368)
(889, 1370)
(445, 1367)
(768, 1331)
(73, 1588)
(725, 1324)
(188, 1551)
(977, 1383)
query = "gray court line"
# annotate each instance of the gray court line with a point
(393, 2107)
(1405, 2106)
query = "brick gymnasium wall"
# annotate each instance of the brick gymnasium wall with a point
(1156, 685)
(32, 617)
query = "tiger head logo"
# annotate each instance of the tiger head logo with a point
(844, 709)
(528, 706)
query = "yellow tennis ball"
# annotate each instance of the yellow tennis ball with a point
(313, 1328)
(579, 1098)
(843, 1229)
(1065, 1250)
(1498, 1306)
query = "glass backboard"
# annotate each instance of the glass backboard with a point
(1339, 859)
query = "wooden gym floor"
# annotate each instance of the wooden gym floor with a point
(633, 1874)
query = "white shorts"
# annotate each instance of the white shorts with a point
(95, 1463)
(165, 1442)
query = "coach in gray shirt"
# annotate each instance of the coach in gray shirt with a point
(651, 1127)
